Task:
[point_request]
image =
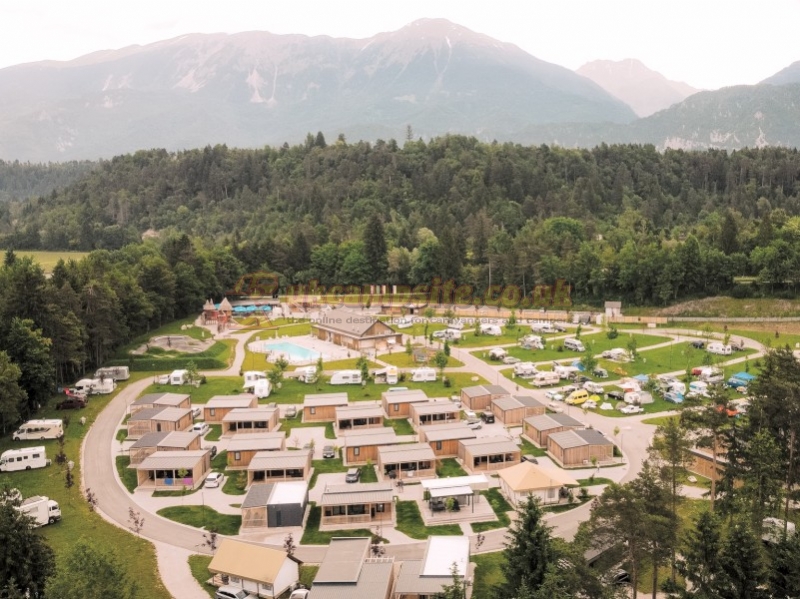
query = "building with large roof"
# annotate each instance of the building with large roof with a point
(357, 331)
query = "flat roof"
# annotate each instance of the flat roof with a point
(496, 389)
(440, 554)
(528, 401)
(451, 491)
(244, 400)
(410, 582)
(475, 391)
(178, 439)
(357, 493)
(370, 436)
(294, 491)
(268, 460)
(358, 411)
(442, 483)
(161, 399)
(257, 441)
(507, 403)
(374, 580)
(150, 440)
(447, 432)
(171, 414)
(407, 452)
(550, 421)
(249, 414)
(489, 445)
(570, 439)
(248, 561)
(343, 560)
(435, 407)
(171, 460)
(325, 399)
(145, 414)
(409, 396)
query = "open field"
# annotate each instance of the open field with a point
(49, 259)
(403, 360)
(137, 555)
(724, 307)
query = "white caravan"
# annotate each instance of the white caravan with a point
(179, 377)
(95, 386)
(423, 375)
(491, 329)
(720, 349)
(116, 373)
(388, 374)
(39, 430)
(26, 458)
(346, 377)
(525, 369)
(251, 377)
(545, 379)
(307, 374)
(573, 344)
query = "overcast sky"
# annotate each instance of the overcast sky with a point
(706, 43)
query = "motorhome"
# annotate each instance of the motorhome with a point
(452, 334)
(388, 375)
(423, 375)
(95, 386)
(565, 372)
(698, 389)
(720, 349)
(250, 378)
(497, 353)
(532, 342)
(525, 369)
(543, 327)
(573, 344)
(262, 388)
(545, 379)
(116, 373)
(593, 387)
(617, 355)
(43, 510)
(346, 377)
(39, 430)
(491, 329)
(179, 377)
(26, 458)
(307, 374)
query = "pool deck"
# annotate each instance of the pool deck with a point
(328, 351)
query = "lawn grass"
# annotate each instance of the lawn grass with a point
(469, 340)
(565, 507)
(290, 424)
(368, 474)
(232, 484)
(122, 434)
(528, 448)
(137, 555)
(418, 329)
(660, 420)
(307, 575)
(198, 564)
(676, 357)
(126, 475)
(403, 360)
(500, 506)
(325, 467)
(220, 461)
(449, 467)
(219, 355)
(597, 480)
(313, 536)
(488, 575)
(484, 526)
(401, 426)
(202, 516)
(214, 432)
(409, 522)
(218, 385)
(181, 493)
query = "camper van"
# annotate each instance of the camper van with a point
(307, 374)
(388, 375)
(573, 344)
(525, 369)
(423, 375)
(179, 377)
(346, 377)
(497, 353)
(39, 430)
(491, 329)
(532, 342)
(565, 372)
(250, 378)
(23, 459)
(718, 348)
(95, 386)
(545, 379)
(698, 389)
(115, 373)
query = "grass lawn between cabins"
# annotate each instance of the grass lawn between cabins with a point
(409, 522)
(449, 467)
(401, 426)
(289, 424)
(126, 475)
(488, 575)
(202, 516)
(326, 467)
(136, 555)
(500, 506)
(198, 564)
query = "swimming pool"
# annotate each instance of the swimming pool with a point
(295, 354)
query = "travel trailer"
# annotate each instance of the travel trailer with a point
(346, 377)
(491, 329)
(262, 388)
(116, 373)
(525, 369)
(545, 379)
(543, 327)
(403, 323)
(452, 334)
(43, 510)
(497, 353)
(388, 375)
(574, 344)
(179, 377)
(39, 430)
(26, 458)
(565, 372)
(95, 386)
(423, 375)
(250, 378)
(307, 374)
(720, 349)
(698, 389)
(532, 342)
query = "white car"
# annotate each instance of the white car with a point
(632, 409)
(299, 594)
(200, 427)
(555, 406)
(554, 395)
(214, 480)
(511, 360)
(475, 425)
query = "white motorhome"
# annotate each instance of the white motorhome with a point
(452, 334)
(389, 375)
(346, 377)
(543, 327)
(307, 374)
(116, 373)
(491, 329)
(179, 377)
(95, 386)
(423, 375)
(26, 458)
(573, 344)
(545, 379)
(250, 378)
(497, 353)
(532, 342)
(525, 369)
(262, 388)
(39, 430)
(698, 389)
(565, 372)
(593, 387)
(720, 349)
(43, 510)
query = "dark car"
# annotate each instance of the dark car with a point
(698, 344)
(213, 450)
(529, 458)
(328, 452)
(616, 395)
(487, 417)
(353, 475)
(71, 403)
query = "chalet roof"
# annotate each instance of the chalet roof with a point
(262, 494)
(248, 561)
(358, 411)
(489, 445)
(325, 399)
(268, 460)
(243, 400)
(409, 396)
(351, 323)
(257, 441)
(357, 493)
(407, 452)
(249, 414)
(435, 407)
(161, 399)
(171, 460)
(580, 438)
(370, 436)
(343, 561)
(446, 432)
(547, 422)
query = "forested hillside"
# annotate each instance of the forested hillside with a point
(617, 221)
(22, 180)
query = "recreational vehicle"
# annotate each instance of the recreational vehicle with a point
(452, 334)
(115, 373)
(423, 375)
(565, 372)
(497, 353)
(26, 458)
(532, 342)
(545, 379)
(262, 388)
(525, 369)
(720, 349)
(491, 329)
(39, 430)
(95, 386)
(403, 323)
(307, 374)
(43, 510)
(179, 377)
(388, 375)
(346, 377)
(542, 327)
(250, 378)
(574, 344)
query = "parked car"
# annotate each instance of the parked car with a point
(475, 425)
(620, 577)
(555, 406)
(632, 409)
(698, 344)
(71, 403)
(529, 458)
(200, 427)
(487, 417)
(353, 475)
(554, 395)
(328, 452)
(299, 594)
(214, 480)
(616, 395)
(600, 373)
(559, 327)
(232, 592)
(511, 360)
(673, 397)
(291, 412)
(213, 450)
(196, 413)
(439, 334)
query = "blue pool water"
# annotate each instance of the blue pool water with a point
(292, 352)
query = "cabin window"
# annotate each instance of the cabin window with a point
(439, 445)
(397, 407)
(237, 455)
(212, 411)
(312, 410)
(356, 451)
(380, 508)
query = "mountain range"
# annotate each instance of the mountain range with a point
(429, 78)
